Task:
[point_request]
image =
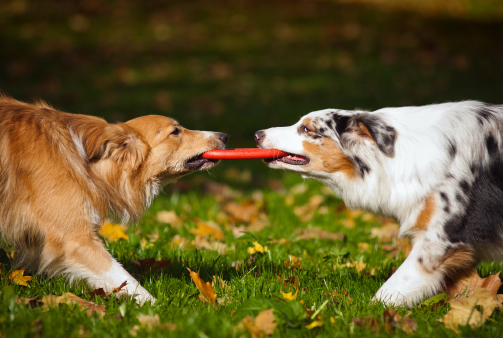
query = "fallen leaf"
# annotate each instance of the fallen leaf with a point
(113, 232)
(32, 302)
(263, 325)
(250, 212)
(360, 266)
(468, 284)
(363, 247)
(390, 319)
(316, 233)
(289, 295)
(257, 248)
(293, 262)
(316, 323)
(464, 312)
(386, 232)
(306, 212)
(290, 281)
(208, 229)
(149, 323)
(180, 242)
(201, 242)
(18, 278)
(69, 298)
(338, 298)
(169, 217)
(208, 293)
(101, 293)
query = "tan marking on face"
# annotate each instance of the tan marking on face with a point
(328, 157)
(425, 216)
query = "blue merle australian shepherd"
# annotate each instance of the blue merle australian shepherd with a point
(437, 169)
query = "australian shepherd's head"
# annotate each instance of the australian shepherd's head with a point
(330, 143)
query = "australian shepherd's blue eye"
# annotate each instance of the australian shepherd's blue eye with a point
(176, 131)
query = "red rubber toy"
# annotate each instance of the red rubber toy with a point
(243, 153)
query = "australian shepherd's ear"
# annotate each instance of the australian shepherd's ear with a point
(373, 128)
(118, 142)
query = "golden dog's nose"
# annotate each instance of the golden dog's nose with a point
(222, 137)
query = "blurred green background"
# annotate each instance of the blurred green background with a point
(240, 65)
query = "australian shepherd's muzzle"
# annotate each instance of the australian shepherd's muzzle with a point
(437, 169)
(62, 174)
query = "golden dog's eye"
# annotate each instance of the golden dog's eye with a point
(306, 129)
(176, 131)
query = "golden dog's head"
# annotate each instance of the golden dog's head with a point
(174, 151)
(146, 148)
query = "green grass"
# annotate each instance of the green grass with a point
(255, 279)
(237, 67)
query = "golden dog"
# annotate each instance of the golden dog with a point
(62, 174)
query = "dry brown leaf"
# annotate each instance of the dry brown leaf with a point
(208, 293)
(464, 312)
(69, 298)
(338, 298)
(263, 325)
(113, 232)
(169, 217)
(149, 323)
(32, 302)
(306, 212)
(290, 281)
(248, 211)
(293, 262)
(18, 278)
(316, 233)
(201, 242)
(151, 263)
(180, 242)
(390, 319)
(386, 232)
(101, 293)
(468, 284)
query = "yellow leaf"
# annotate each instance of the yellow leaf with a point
(257, 248)
(363, 247)
(314, 324)
(289, 295)
(149, 322)
(332, 320)
(113, 232)
(463, 311)
(207, 229)
(360, 266)
(208, 293)
(180, 242)
(18, 278)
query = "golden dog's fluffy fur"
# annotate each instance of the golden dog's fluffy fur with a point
(62, 174)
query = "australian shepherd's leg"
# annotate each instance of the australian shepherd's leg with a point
(84, 257)
(424, 272)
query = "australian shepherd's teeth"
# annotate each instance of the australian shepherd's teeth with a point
(437, 169)
(62, 174)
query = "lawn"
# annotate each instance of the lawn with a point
(237, 67)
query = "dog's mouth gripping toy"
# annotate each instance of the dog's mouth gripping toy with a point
(251, 153)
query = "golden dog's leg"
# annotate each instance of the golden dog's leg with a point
(84, 257)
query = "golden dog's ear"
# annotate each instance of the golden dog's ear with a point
(118, 142)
